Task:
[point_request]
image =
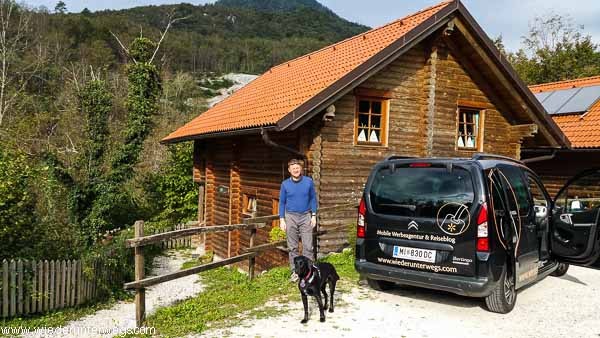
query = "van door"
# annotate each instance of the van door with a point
(516, 190)
(540, 217)
(575, 235)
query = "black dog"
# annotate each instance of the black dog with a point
(313, 278)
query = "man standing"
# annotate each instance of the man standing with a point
(298, 212)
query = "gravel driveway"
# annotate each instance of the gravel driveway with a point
(555, 307)
(121, 316)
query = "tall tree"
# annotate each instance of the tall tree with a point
(555, 49)
(60, 8)
(15, 69)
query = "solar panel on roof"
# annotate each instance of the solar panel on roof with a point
(558, 98)
(581, 101)
(542, 96)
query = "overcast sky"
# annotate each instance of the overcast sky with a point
(509, 18)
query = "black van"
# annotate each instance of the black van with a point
(481, 227)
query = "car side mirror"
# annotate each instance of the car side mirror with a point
(540, 211)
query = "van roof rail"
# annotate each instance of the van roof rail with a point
(397, 157)
(484, 156)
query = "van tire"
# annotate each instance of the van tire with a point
(380, 285)
(561, 270)
(504, 296)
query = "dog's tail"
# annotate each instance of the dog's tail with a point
(334, 275)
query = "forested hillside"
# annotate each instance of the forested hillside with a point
(222, 37)
(86, 97)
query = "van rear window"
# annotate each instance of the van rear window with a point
(420, 192)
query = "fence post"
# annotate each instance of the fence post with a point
(251, 260)
(13, 288)
(140, 293)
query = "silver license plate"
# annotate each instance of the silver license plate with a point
(415, 254)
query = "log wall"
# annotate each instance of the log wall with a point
(426, 83)
(556, 172)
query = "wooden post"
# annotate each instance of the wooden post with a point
(63, 282)
(46, 294)
(252, 259)
(5, 288)
(57, 283)
(79, 284)
(13, 287)
(201, 215)
(68, 283)
(27, 290)
(74, 282)
(140, 294)
(52, 291)
(19, 287)
(33, 293)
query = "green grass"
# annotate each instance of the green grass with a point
(229, 297)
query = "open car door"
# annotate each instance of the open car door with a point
(575, 233)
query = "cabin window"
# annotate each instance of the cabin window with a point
(249, 205)
(469, 132)
(370, 122)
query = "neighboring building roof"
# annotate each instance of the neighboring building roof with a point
(577, 83)
(289, 94)
(582, 127)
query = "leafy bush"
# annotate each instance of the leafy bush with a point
(16, 204)
(276, 234)
(171, 194)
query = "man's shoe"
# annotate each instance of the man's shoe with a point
(294, 277)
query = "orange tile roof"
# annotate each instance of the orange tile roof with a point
(283, 88)
(582, 82)
(582, 130)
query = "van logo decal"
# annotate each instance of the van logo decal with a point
(453, 218)
(413, 225)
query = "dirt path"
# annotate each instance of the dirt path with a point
(554, 307)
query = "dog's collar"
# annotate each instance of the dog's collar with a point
(310, 276)
(306, 280)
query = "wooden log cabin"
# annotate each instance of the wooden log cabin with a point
(575, 107)
(430, 84)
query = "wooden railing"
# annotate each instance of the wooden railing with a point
(251, 224)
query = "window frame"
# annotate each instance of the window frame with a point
(384, 118)
(461, 123)
(246, 199)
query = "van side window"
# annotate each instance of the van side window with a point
(581, 196)
(516, 187)
(539, 199)
(540, 203)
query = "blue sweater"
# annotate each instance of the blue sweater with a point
(298, 196)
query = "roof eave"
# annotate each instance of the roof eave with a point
(236, 132)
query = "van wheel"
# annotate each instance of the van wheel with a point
(380, 285)
(504, 296)
(561, 270)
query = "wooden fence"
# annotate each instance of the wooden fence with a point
(252, 224)
(176, 243)
(28, 287)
